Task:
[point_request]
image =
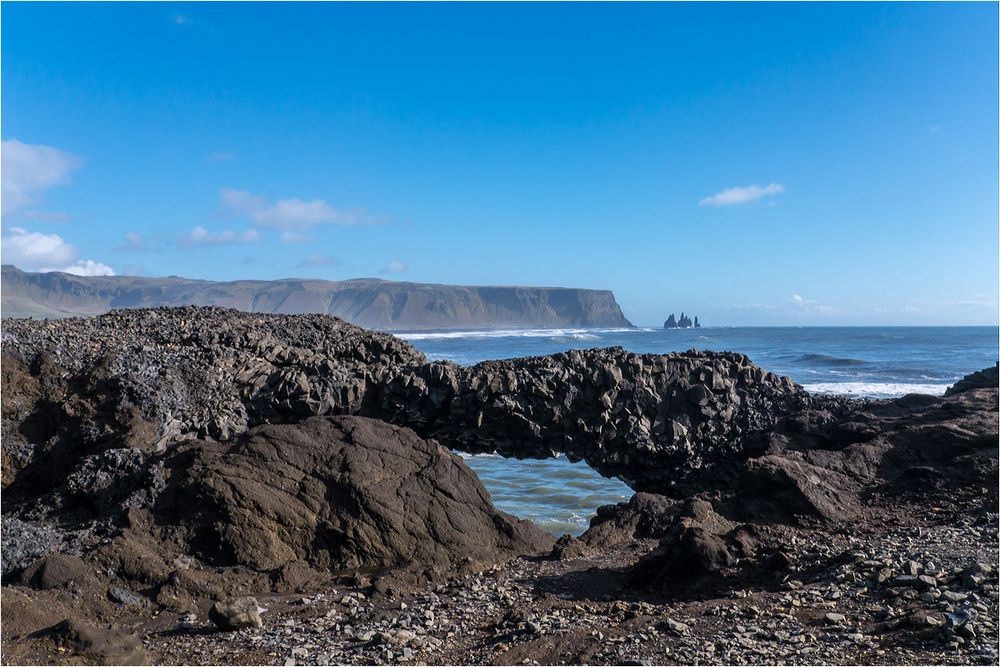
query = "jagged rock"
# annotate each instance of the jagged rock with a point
(698, 546)
(643, 516)
(236, 614)
(988, 378)
(131, 383)
(24, 541)
(144, 433)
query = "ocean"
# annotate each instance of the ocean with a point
(878, 362)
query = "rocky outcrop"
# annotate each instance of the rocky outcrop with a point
(988, 378)
(251, 440)
(824, 466)
(659, 422)
(141, 379)
(337, 493)
(683, 323)
(369, 302)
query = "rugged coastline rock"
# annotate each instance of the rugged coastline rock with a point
(144, 378)
(158, 464)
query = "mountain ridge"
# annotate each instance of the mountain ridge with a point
(368, 302)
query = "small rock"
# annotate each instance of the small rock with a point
(235, 614)
(676, 626)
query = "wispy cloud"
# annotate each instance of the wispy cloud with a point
(742, 195)
(35, 251)
(295, 237)
(182, 19)
(199, 236)
(395, 266)
(292, 216)
(317, 260)
(796, 304)
(29, 170)
(132, 242)
(801, 303)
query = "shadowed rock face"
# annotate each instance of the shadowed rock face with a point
(143, 378)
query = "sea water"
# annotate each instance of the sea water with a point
(877, 362)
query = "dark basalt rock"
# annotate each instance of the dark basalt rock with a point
(988, 378)
(130, 383)
(662, 423)
(683, 323)
(283, 445)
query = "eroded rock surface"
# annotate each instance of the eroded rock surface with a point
(337, 493)
(157, 462)
(143, 379)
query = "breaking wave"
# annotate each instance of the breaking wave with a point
(876, 389)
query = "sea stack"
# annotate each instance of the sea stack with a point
(683, 323)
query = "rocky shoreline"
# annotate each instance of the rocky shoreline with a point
(161, 466)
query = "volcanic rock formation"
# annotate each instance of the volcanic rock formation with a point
(144, 378)
(160, 459)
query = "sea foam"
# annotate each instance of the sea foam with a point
(876, 389)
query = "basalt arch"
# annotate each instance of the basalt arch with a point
(658, 422)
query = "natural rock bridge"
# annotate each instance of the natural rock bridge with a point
(146, 378)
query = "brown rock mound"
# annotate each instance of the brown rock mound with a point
(337, 493)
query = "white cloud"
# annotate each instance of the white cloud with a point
(35, 251)
(133, 242)
(797, 300)
(85, 267)
(742, 195)
(395, 266)
(316, 260)
(182, 19)
(199, 236)
(29, 170)
(291, 216)
(32, 250)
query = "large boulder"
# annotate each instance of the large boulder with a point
(337, 493)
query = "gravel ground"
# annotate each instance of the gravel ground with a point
(918, 586)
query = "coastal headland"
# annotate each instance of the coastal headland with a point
(203, 485)
(367, 302)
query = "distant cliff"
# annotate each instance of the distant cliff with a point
(366, 302)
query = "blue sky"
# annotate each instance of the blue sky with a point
(753, 164)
